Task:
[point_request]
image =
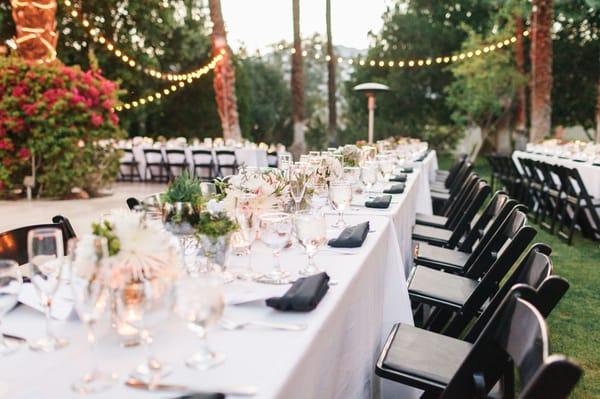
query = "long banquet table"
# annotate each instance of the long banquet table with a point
(589, 172)
(333, 358)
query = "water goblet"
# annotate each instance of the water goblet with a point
(386, 166)
(368, 175)
(200, 303)
(46, 258)
(311, 232)
(352, 175)
(10, 285)
(246, 216)
(90, 286)
(320, 197)
(340, 197)
(275, 232)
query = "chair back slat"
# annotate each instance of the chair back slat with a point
(480, 223)
(473, 203)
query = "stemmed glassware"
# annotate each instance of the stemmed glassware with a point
(46, 258)
(200, 303)
(141, 305)
(89, 282)
(275, 232)
(340, 197)
(386, 166)
(368, 175)
(297, 182)
(319, 197)
(352, 175)
(10, 286)
(311, 232)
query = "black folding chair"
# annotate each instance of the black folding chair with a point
(445, 367)
(446, 176)
(460, 259)
(449, 238)
(588, 207)
(156, 166)
(443, 198)
(226, 161)
(272, 159)
(13, 243)
(204, 164)
(463, 296)
(128, 167)
(176, 162)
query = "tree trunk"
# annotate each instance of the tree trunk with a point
(521, 116)
(331, 97)
(598, 108)
(36, 34)
(299, 145)
(224, 81)
(541, 69)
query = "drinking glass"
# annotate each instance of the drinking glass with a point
(297, 184)
(352, 175)
(10, 285)
(200, 303)
(368, 175)
(90, 283)
(46, 258)
(311, 233)
(340, 196)
(275, 232)
(141, 305)
(338, 171)
(319, 197)
(386, 166)
(247, 218)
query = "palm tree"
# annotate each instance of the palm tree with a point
(224, 81)
(521, 117)
(39, 16)
(331, 98)
(541, 68)
(299, 144)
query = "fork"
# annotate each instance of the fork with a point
(233, 325)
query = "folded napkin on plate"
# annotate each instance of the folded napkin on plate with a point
(381, 202)
(351, 237)
(401, 178)
(395, 189)
(406, 170)
(304, 295)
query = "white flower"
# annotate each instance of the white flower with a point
(215, 207)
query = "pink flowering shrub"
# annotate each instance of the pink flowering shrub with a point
(61, 117)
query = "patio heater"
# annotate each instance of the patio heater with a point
(371, 89)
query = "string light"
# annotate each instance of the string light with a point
(171, 89)
(129, 60)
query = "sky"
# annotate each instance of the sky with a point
(259, 23)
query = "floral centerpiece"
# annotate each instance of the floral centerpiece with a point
(326, 169)
(180, 204)
(269, 186)
(59, 121)
(351, 154)
(214, 231)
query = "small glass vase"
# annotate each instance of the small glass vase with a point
(179, 218)
(215, 248)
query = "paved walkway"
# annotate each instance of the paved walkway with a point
(81, 213)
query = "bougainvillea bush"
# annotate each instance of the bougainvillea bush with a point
(61, 120)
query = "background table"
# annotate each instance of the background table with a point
(590, 174)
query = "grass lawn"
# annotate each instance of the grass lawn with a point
(575, 323)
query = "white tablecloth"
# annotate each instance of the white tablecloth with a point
(590, 174)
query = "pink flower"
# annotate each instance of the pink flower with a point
(19, 91)
(30, 109)
(107, 104)
(96, 119)
(4, 144)
(114, 119)
(23, 153)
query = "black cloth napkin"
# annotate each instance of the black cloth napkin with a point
(351, 237)
(201, 396)
(401, 178)
(407, 170)
(381, 202)
(304, 295)
(395, 189)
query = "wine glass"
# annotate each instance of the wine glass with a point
(247, 218)
(10, 285)
(275, 232)
(200, 303)
(311, 232)
(89, 283)
(140, 305)
(297, 184)
(319, 197)
(340, 196)
(46, 258)
(386, 166)
(368, 175)
(352, 175)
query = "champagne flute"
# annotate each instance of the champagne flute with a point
(90, 284)
(311, 231)
(10, 285)
(275, 232)
(368, 175)
(200, 303)
(247, 218)
(46, 258)
(297, 182)
(340, 197)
